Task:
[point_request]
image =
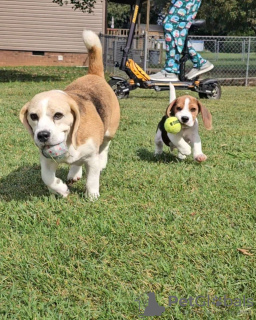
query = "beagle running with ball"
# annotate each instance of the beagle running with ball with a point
(75, 126)
(185, 108)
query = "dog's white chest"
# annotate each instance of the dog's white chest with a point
(79, 155)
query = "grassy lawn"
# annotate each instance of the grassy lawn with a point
(160, 225)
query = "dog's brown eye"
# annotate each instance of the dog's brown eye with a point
(179, 108)
(193, 109)
(57, 116)
(34, 116)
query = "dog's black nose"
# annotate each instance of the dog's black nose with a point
(43, 136)
(184, 119)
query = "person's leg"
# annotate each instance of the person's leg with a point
(171, 68)
(200, 65)
(176, 25)
(195, 57)
(172, 54)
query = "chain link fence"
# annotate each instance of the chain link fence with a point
(112, 52)
(234, 58)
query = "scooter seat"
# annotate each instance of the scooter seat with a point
(198, 23)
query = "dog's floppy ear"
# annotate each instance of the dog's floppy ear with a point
(206, 115)
(170, 109)
(76, 123)
(24, 120)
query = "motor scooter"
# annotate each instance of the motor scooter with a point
(138, 78)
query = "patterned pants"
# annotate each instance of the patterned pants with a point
(176, 25)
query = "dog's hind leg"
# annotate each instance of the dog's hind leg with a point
(158, 142)
(75, 173)
(104, 153)
(93, 169)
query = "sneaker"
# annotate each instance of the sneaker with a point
(164, 76)
(196, 72)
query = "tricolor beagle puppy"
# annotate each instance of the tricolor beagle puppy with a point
(84, 118)
(186, 109)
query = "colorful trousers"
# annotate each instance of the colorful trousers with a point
(176, 25)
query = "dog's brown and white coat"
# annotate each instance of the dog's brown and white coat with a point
(85, 116)
(185, 108)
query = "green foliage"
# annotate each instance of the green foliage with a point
(224, 17)
(83, 5)
(121, 14)
(229, 17)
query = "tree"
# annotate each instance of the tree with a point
(223, 17)
(229, 17)
(83, 5)
(121, 14)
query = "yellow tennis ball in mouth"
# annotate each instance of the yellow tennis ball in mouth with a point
(172, 125)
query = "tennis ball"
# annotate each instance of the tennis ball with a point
(172, 125)
(57, 151)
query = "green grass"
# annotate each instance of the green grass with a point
(160, 225)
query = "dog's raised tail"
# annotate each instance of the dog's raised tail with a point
(93, 45)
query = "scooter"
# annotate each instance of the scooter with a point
(138, 78)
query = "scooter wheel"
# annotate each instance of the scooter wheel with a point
(214, 95)
(120, 88)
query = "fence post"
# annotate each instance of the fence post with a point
(218, 49)
(145, 51)
(243, 49)
(248, 62)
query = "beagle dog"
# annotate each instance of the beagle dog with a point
(84, 118)
(185, 108)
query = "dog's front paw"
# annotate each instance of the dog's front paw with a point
(75, 174)
(59, 188)
(73, 180)
(92, 196)
(64, 193)
(186, 150)
(200, 157)
(158, 153)
(181, 156)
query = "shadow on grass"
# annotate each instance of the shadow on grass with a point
(11, 75)
(25, 183)
(149, 156)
